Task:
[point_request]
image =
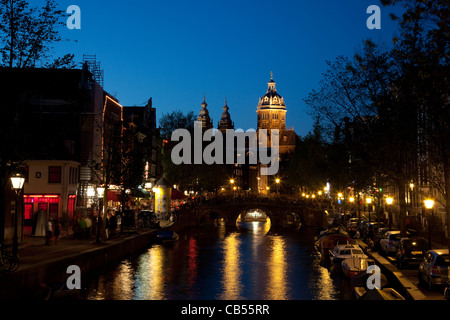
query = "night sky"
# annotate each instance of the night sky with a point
(174, 51)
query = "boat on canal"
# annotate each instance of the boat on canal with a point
(346, 250)
(329, 238)
(167, 236)
(377, 294)
(355, 265)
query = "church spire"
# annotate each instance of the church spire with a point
(203, 116)
(271, 83)
(225, 121)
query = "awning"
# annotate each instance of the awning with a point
(177, 195)
(115, 195)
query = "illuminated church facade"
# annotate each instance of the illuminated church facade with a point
(271, 114)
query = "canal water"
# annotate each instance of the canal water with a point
(252, 261)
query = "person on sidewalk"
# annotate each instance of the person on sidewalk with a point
(57, 231)
(48, 234)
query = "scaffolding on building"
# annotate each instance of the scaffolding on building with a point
(90, 60)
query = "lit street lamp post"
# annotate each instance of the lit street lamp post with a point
(429, 203)
(233, 187)
(17, 182)
(389, 201)
(100, 193)
(369, 202)
(277, 180)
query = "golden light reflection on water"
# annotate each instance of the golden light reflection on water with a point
(277, 283)
(321, 283)
(150, 275)
(231, 281)
(123, 282)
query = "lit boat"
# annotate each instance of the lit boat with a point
(328, 239)
(344, 251)
(167, 235)
(355, 265)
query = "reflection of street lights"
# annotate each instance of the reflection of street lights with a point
(17, 182)
(429, 203)
(389, 201)
(100, 193)
(369, 201)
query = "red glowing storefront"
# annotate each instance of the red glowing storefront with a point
(48, 203)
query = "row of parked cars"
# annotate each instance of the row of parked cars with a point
(433, 265)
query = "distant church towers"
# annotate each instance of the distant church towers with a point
(203, 116)
(271, 114)
(206, 122)
(225, 121)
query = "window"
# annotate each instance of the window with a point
(54, 174)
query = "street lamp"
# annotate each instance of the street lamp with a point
(389, 201)
(369, 201)
(100, 194)
(277, 180)
(233, 187)
(17, 182)
(429, 203)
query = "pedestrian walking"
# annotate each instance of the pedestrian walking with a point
(48, 235)
(107, 226)
(57, 230)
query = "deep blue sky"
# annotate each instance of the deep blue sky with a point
(174, 51)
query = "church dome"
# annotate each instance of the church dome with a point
(271, 98)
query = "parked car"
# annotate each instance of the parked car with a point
(353, 223)
(370, 229)
(411, 251)
(389, 243)
(433, 270)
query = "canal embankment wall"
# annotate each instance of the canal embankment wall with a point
(49, 270)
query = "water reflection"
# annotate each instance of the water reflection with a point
(231, 281)
(277, 270)
(123, 283)
(250, 262)
(150, 275)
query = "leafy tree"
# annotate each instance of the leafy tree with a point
(423, 48)
(27, 35)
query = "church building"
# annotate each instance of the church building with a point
(271, 114)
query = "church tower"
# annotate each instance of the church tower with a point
(271, 109)
(225, 121)
(203, 116)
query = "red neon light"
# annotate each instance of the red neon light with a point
(40, 196)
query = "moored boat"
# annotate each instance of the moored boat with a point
(344, 251)
(328, 239)
(355, 265)
(167, 235)
(377, 294)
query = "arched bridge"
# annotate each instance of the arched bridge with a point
(279, 210)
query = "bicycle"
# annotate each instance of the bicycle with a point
(8, 263)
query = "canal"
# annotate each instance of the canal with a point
(250, 261)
